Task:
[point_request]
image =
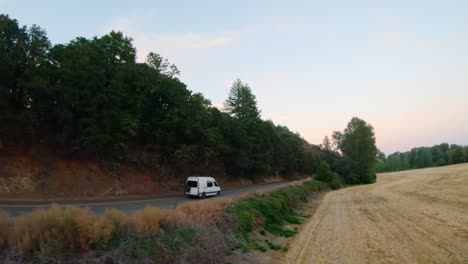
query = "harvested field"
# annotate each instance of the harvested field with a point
(417, 216)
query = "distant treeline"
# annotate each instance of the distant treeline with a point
(91, 97)
(423, 157)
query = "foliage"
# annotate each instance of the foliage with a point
(325, 174)
(424, 157)
(92, 96)
(357, 145)
(272, 210)
(241, 102)
(70, 234)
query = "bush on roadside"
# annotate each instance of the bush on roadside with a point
(205, 230)
(5, 225)
(148, 220)
(203, 212)
(54, 230)
(325, 174)
(272, 210)
(110, 229)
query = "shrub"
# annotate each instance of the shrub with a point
(5, 226)
(204, 230)
(441, 162)
(335, 182)
(272, 210)
(205, 212)
(110, 229)
(148, 220)
(55, 229)
(324, 172)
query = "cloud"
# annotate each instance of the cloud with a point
(391, 39)
(190, 51)
(146, 40)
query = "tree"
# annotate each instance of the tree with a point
(394, 162)
(326, 144)
(465, 154)
(98, 105)
(241, 102)
(441, 162)
(357, 142)
(324, 172)
(23, 77)
(162, 65)
(457, 153)
(405, 165)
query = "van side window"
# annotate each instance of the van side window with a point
(210, 184)
(216, 184)
(192, 184)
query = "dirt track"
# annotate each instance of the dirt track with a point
(418, 216)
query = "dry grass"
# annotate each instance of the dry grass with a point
(202, 212)
(110, 225)
(148, 220)
(5, 227)
(203, 230)
(54, 228)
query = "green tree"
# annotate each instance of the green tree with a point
(465, 154)
(97, 108)
(241, 102)
(162, 65)
(326, 144)
(394, 162)
(357, 142)
(457, 153)
(405, 164)
(23, 76)
(324, 172)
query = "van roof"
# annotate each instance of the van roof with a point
(198, 177)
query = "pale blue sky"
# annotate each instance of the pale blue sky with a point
(400, 65)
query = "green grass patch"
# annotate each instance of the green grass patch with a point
(273, 210)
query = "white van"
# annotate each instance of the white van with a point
(201, 186)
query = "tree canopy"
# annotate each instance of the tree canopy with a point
(241, 102)
(92, 96)
(357, 145)
(424, 157)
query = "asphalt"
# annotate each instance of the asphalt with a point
(128, 204)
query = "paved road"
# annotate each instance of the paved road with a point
(127, 204)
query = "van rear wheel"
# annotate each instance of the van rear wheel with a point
(203, 196)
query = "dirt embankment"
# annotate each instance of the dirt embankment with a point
(418, 216)
(40, 173)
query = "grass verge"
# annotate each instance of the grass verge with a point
(205, 230)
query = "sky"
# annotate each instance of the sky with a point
(400, 65)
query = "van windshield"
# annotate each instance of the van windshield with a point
(192, 184)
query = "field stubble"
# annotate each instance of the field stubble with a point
(418, 216)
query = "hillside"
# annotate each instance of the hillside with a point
(86, 118)
(39, 172)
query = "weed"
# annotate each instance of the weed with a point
(110, 229)
(55, 229)
(5, 226)
(148, 220)
(272, 210)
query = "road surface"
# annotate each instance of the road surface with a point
(128, 204)
(418, 216)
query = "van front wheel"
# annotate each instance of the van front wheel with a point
(203, 196)
(218, 193)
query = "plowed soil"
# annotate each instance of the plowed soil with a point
(417, 216)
